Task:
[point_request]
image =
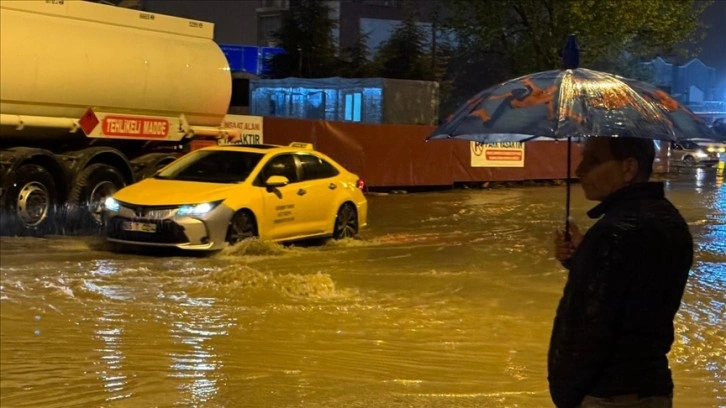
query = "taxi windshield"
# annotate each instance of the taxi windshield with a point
(212, 166)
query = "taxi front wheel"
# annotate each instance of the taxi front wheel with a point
(242, 226)
(346, 222)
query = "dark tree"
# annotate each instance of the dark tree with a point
(306, 36)
(529, 34)
(502, 39)
(356, 59)
(403, 55)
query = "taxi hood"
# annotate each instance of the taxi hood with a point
(160, 192)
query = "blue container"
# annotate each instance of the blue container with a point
(235, 56)
(249, 58)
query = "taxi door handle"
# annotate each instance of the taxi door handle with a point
(332, 186)
(301, 192)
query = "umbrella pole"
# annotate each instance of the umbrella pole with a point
(567, 194)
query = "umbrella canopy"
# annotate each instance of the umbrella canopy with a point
(560, 104)
(569, 103)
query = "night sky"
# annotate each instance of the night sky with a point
(713, 51)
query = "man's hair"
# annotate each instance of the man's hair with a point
(642, 150)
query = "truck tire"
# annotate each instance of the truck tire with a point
(30, 202)
(90, 189)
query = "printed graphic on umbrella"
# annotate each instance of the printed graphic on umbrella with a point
(570, 103)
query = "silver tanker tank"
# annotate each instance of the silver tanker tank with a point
(94, 97)
(60, 58)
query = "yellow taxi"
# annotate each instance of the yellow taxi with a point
(220, 195)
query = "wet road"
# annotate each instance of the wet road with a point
(446, 301)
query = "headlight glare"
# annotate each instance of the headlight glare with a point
(197, 209)
(111, 204)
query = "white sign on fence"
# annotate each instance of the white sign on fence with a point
(502, 154)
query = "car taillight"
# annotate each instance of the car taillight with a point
(360, 184)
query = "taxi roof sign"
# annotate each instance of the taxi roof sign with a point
(301, 145)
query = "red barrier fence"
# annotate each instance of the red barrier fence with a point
(399, 155)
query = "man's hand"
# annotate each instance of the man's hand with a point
(563, 248)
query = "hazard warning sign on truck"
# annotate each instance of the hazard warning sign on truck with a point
(121, 126)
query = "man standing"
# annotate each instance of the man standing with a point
(627, 274)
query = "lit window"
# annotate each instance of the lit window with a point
(353, 107)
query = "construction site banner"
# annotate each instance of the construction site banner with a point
(503, 154)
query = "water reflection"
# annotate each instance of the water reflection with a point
(445, 301)
(110, 331)
(110, 327)
(702, 179)
(193, 326)
(702, 318)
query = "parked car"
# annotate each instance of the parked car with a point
(220, 195)
(694, 153)
(713, 146)
(719, 126)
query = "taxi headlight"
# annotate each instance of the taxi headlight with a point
(700, 154)
(111, 204)
(197, 209)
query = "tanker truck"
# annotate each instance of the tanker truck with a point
(94, 97)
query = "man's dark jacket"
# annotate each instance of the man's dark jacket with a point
(614, 323)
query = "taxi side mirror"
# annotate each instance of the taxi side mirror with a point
(276, 181)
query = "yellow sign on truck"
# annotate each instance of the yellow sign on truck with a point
(250, 127)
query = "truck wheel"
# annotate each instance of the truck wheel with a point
(30, 201)
(89, 191)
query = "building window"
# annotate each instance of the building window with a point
(279, 4)
(353, 107)
(266, 28)
(386, 3)
(315, 104)
(277, 105)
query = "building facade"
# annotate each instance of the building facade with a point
(693, 83)
(253, 22)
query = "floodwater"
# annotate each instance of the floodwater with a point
(447, 300)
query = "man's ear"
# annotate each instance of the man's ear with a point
(630, 168)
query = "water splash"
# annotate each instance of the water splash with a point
(253, 247)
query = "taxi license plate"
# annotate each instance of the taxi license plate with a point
(139, 226)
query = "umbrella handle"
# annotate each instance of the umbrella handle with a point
(567, 194)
